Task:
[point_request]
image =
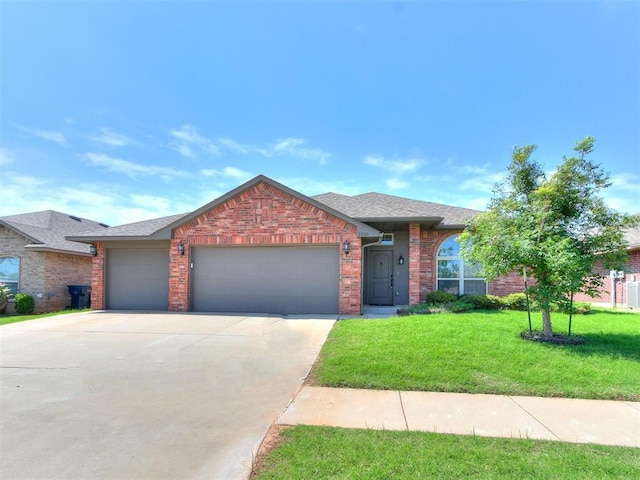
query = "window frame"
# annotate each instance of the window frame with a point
(387, 239)
(461, 278)
(14, 287)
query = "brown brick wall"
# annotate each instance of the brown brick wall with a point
(44, 275)
(61, 270)
(632, 273)
(264, 215)
(430, 241)
(416, 270)
(97, 278)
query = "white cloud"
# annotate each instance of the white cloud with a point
(6, 157)
(227, 172)
(188, 141)
(150, 202)
(475, 203)
(482, 183)
(398, 167)
(309, 186)
(291, 146)
(111, 138)
(55, 137)
(396, 184)
(134, 170)
(294, 147)
(472, 169)
(236, 147)
(626, 181)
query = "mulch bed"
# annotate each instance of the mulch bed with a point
(556, 339)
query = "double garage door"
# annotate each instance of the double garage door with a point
(284, 280)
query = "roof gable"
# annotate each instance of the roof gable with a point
(362, 229)
(47, 230)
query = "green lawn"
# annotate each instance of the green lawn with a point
(6, 319)
(334, 453)
(483, 353)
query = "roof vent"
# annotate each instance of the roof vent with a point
(77, 219)
(103, 224)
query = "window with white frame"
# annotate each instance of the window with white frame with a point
(454, 275)
(9, 273)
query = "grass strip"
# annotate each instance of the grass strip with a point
(6, 319)
(483, 353)
(335, 453)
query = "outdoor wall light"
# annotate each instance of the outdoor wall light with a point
(401, 260)
(93, 250)
(345, 247)
(180, 248)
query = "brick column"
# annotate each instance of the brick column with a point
(414, 263)
(350, 299)
(97, 278)
(178, 277)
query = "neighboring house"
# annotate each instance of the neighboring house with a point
(264, 247)
(616, 285)
(35, 257)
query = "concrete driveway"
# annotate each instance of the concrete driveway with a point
(147, 396)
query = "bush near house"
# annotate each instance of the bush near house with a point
(24, 304)
(439, 302)
(4, 297)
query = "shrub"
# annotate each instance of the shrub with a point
(419, 309)
(4, 297)
(483, 302)
(579, 308)
(437, 296)
(460, 306)
(515, 301)
(24, 303)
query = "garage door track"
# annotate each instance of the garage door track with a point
(117, 395)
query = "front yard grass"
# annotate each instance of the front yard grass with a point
(330, 453)
(482, 352)
(6, 319)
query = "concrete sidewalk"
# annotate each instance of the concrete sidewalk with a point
(606, 422)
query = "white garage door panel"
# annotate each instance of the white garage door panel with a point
(265, 279)
(137, 279)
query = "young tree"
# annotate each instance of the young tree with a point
(557, 229)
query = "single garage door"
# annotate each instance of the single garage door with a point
(265, 279)
(137, 279)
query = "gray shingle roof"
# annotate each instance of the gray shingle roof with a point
(370, 206)
(138, 230)
(632, 235)
(47, 230)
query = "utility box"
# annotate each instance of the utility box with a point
(633, 294)
(80, 296)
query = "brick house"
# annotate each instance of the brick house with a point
(616, 285)
(264, 247)
(35, 257)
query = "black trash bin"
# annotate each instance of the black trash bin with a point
(80, 296)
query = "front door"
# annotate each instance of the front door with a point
(380, 277)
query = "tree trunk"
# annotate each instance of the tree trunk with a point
(546, 323)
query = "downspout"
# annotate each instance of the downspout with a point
(377, 242)
(612, 273)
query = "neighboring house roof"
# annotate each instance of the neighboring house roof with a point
(47, 230)
(632, 236)
(377, 207)
(145, 230)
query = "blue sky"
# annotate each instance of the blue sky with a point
(127, 110)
